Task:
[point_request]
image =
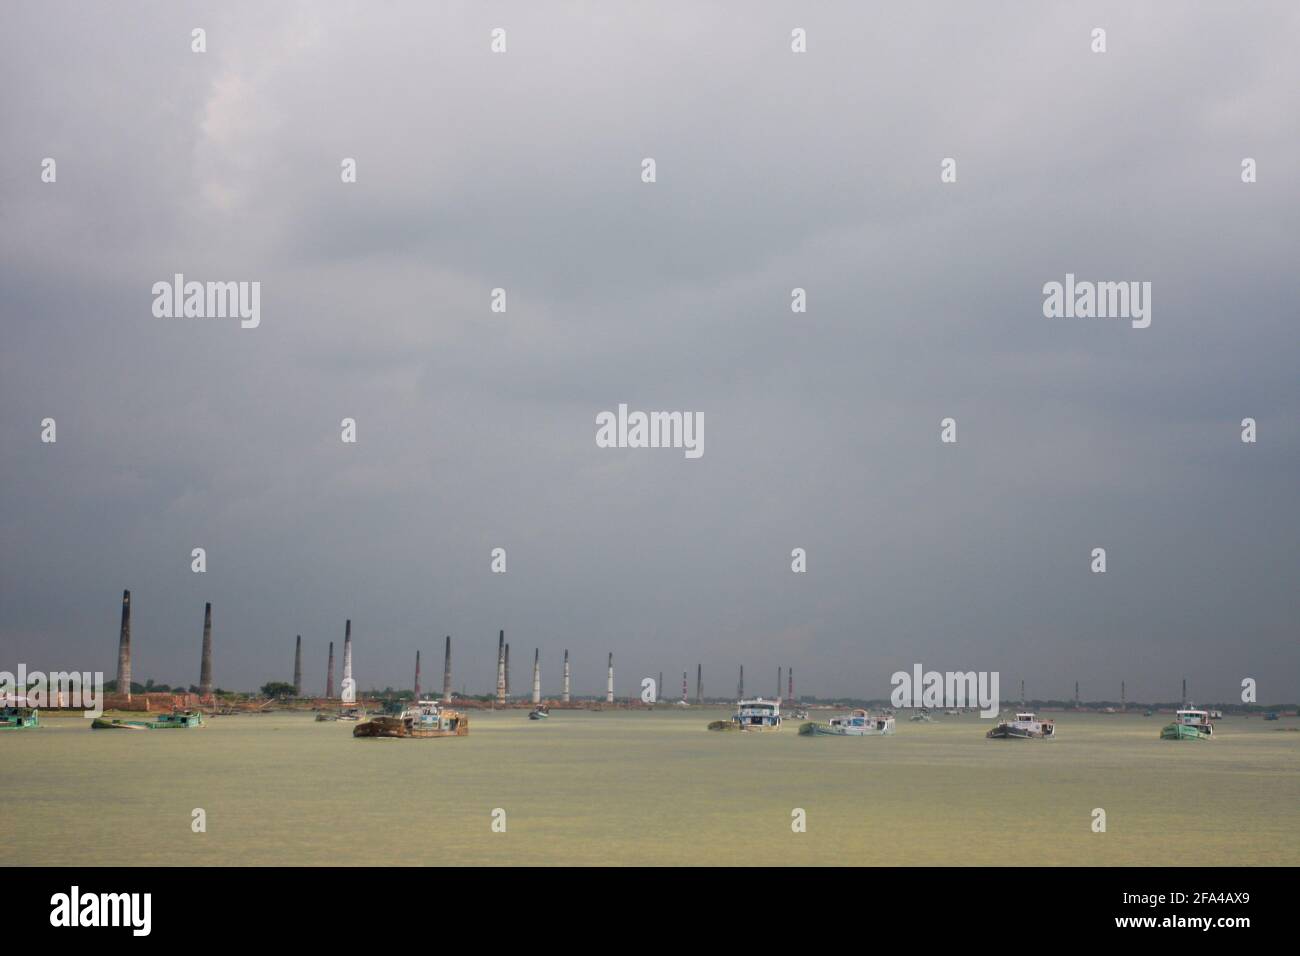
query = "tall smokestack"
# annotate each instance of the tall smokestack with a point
(684, 697)
(609, 685)
(446, 672)
(778, 685)
(1122, 700)
(205, 663)
(329, 675)
(1022, 693)
(1184, 691)
(1076, 692)
(740, 688)
(297, 668)
(501, 668)
(507, 668)
(565, 696)
(349, 687)
(417, 677)
(660, 689)
(537, 676)
(124, 648)
(699, 683)
(789, 674)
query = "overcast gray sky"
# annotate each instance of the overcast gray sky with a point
(476, 430)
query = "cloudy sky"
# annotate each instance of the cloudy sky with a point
(476, 430)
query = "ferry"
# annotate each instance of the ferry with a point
(19, 718)
(857, 724)
(427, 719)
(1026, 726)
(753, 715)
(1216, 715)
(540, 712)
(1189, 724)
(176, 720)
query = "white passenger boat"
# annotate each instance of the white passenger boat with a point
(1026, 726)
(756, 714)
(857, 724)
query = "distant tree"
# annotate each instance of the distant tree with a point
(277, 688)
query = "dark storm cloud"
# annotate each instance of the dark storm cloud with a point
(477, 430)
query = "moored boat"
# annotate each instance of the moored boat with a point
(349, 714)
(19, 718)
(176, 720)
(427, 719)
(540, 712)
(1026, 726)
(1189, 724)
(857, 724)
(753, 715)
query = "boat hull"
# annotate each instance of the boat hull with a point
(177, 722)
(1016, 733)
(744, 728)
(825, 730)
(20, 719)
(396, 727)
(1182, 732)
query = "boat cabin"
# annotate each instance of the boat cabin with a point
(860, 718)
(1200, 719)
(758, 714)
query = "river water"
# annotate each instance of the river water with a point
(639, 787)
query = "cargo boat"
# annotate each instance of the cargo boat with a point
(351, 714)
(426, 719)
(176, 720)
(1188, 724)
(857, 724)
(754, 715)
(19, 718)
(1026, 726)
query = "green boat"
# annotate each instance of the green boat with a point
(19, 718)
(177, 719)
(1188, 725)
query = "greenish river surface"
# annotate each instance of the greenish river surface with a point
(650, 787)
